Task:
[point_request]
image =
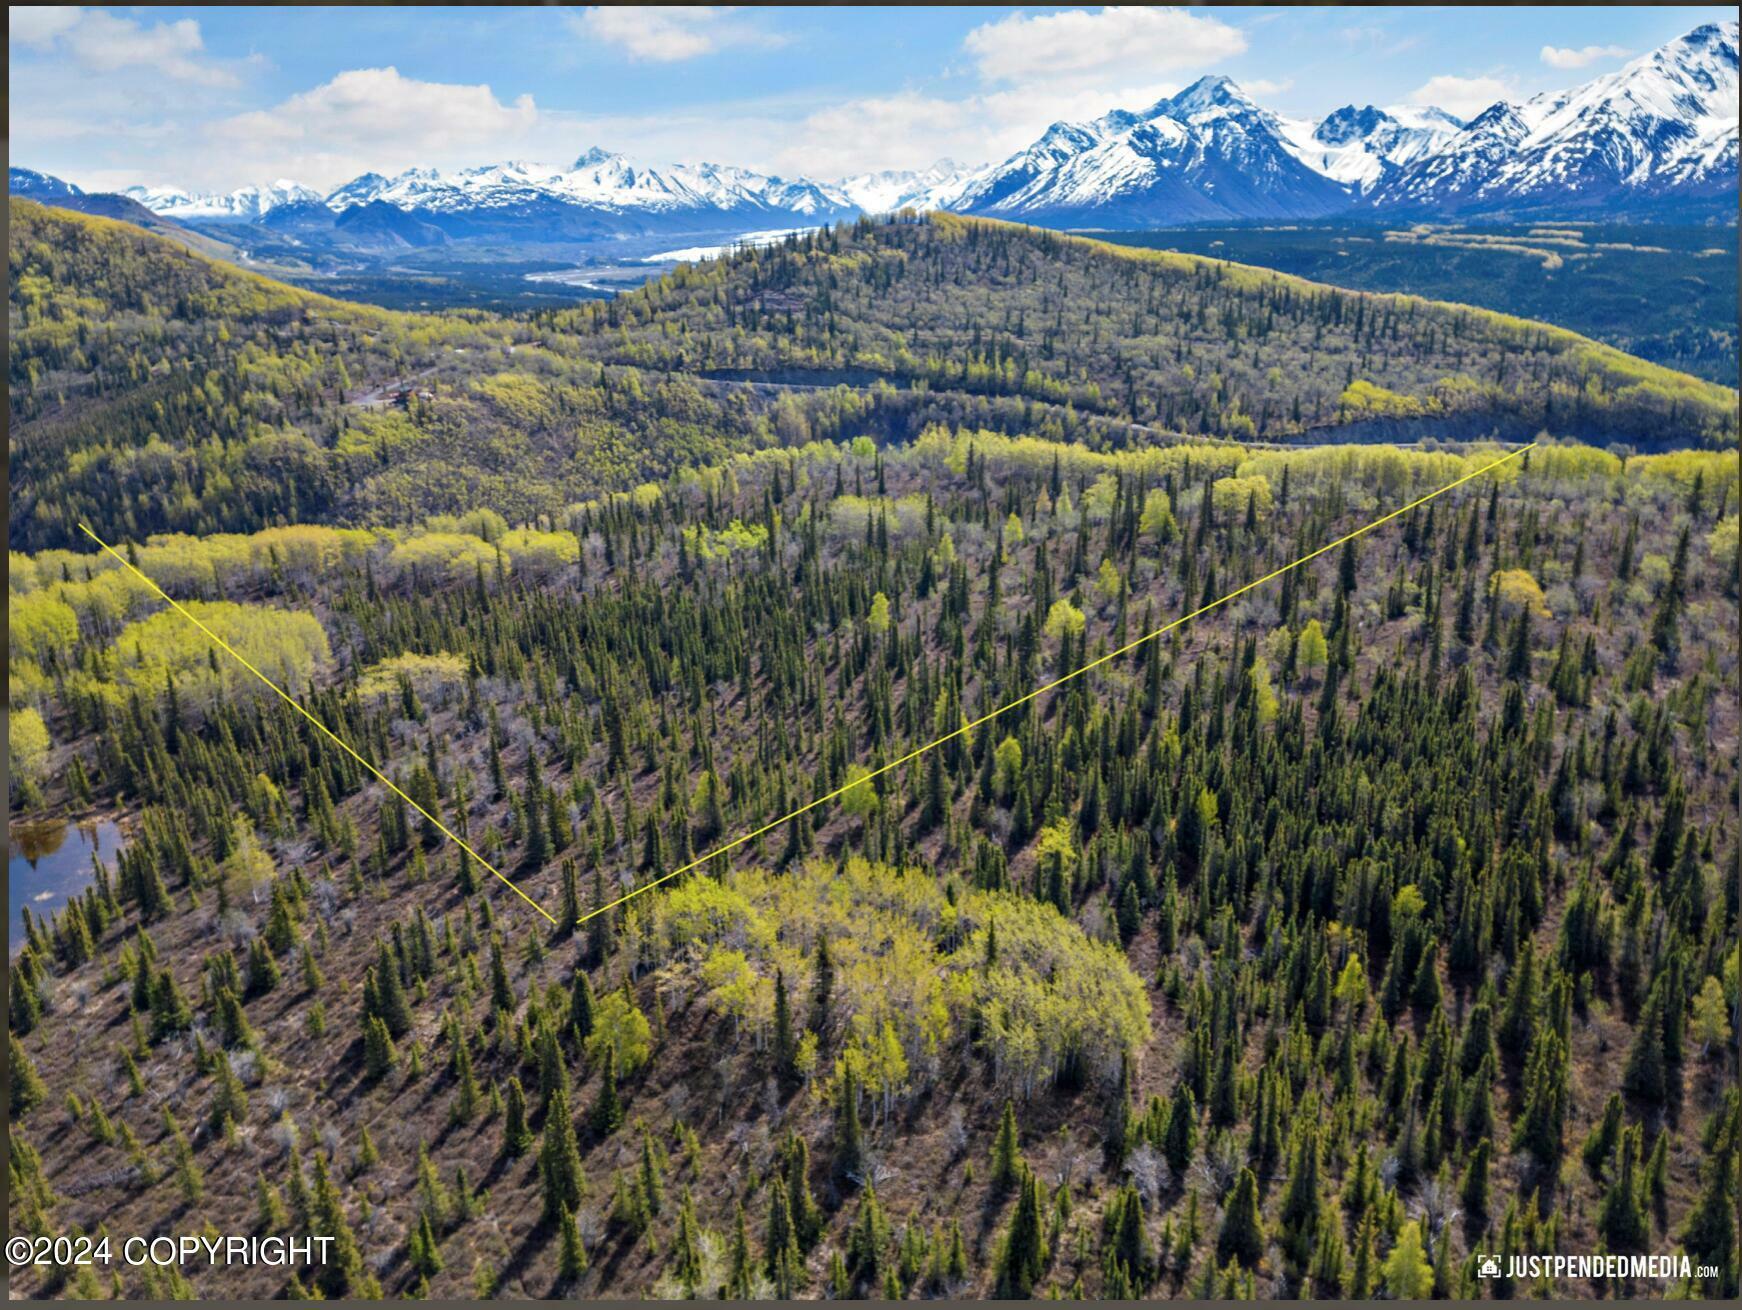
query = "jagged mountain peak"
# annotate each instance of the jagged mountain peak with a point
(1214, 92)
(1662, 125)
(1349, 123)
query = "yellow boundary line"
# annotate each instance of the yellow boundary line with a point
(1055, 683)
(338, 741)
(857, 782)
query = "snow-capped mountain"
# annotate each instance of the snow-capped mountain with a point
(39, 186)
(1662, 126)
(601, 185)
(1651, 138)
(1363, 147)
(893, 189)
(247, 204)
(1208, 153)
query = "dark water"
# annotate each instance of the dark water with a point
(48, 861)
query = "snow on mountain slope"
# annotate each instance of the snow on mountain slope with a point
(600, 181)
(245, 205)
(1666, 122)
(1363, 147)
(39, 186)
(893, 189)
(1661, 129)
(1209, 152)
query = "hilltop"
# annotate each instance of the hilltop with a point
(153, 389)
(1183, 342)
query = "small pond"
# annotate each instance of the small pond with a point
(48, 862)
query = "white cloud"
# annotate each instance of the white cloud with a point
(910, 130)
(670, 33)
(905, 130)
(100, 42)
(369, 118)
(1464, 96)
(1264, 86)
(1080, 48)
(38, 25)
(1034, 69)
(1557, 57)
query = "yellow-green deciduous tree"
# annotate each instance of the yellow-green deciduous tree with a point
(38, 622)
(286, 646)
(1063, 619)
(27, 739)
(1516, 589)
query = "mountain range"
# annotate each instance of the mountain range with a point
(1656, 138)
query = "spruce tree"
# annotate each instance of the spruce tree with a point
(1709, 1233)
(1644, 1074)
(1621, 1218)
(1242, 1236)
(1600, 1145)
(559, 1158)
(738, 1276)
(572, 1254)
(379, 1054)
(343, 1270)
(1129, 1244)
(26, 1089)
(1299, 1215)
(1022, 1254)
(581, 1006)
(822, 988)
(686, 1246)
(785, 1043)
(466, 1093)
(780, 1254)
(423, 1251)
(1007, 1162)
(849, 1135)
(607, 1113)
(1474, 1192)
(516, 1131)
(807, 1216)
(1182, 1128)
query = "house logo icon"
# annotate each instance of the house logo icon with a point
(1489, 1268)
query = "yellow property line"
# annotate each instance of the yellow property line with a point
(1056, 682)
(863, 779)
(334, 737)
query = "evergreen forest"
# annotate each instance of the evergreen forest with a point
(1377, 922)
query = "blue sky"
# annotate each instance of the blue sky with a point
(213, 98)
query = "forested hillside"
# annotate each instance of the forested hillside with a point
(1663, 293)
(1375, 922)
(152, 390)
(1182, 342)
